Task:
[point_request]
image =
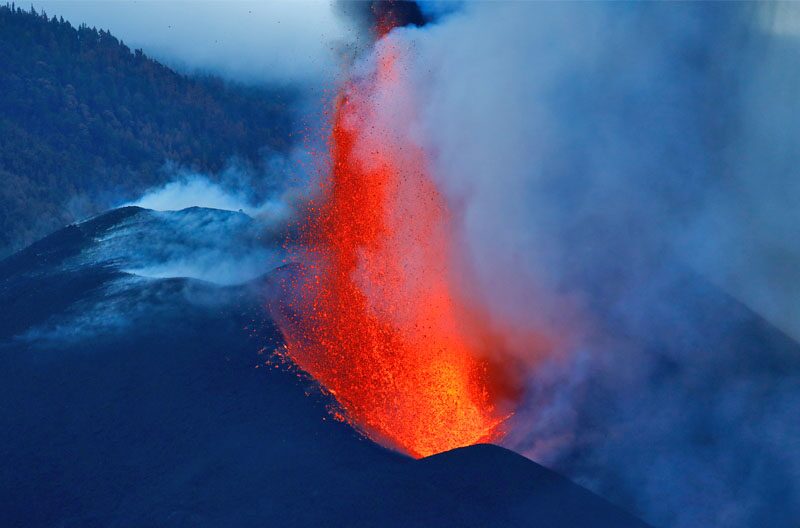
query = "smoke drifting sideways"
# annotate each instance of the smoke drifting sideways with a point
(286, 43)
(197, 190)
(292, 46)
(217, 245)
(597, 161)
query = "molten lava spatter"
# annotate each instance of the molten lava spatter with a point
(375, 319)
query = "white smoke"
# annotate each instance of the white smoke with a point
(272, 193)
(253, 42)
(194, 191)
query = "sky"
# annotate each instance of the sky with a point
(252, 42)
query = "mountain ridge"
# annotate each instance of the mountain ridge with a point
(88, 123)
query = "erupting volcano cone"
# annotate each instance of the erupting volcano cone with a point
(374, 318)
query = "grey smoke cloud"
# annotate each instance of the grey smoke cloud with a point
(271, 192)
(196, 190)
(237, 234)
(754, 221)
(594, 155)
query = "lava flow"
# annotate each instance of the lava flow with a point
(375, 318)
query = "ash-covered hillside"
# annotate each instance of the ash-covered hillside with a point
(87, 123)
(136, 399)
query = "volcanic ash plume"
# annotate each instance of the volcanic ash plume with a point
(513, 195)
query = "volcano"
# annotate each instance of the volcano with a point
(144, 399)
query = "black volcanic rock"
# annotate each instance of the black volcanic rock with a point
(513, 490)
(141, 401)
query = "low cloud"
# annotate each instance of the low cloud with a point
(252, 42)
(195, 190)
(272, 193)
(192, 191)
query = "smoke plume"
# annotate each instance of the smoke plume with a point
(603, 163)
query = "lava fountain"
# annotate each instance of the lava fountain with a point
(374, 316)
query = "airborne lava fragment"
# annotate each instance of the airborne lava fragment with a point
(375, 318)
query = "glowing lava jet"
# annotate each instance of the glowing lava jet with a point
(374, 317)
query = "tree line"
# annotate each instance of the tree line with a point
(84, 119)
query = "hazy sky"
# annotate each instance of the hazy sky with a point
(249, 41)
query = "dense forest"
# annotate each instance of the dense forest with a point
(83, 118)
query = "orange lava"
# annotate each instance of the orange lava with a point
(376, 319)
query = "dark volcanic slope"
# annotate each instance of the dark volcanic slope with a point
(133, 401)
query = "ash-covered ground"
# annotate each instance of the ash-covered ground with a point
(154, 399)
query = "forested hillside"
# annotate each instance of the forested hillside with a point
(85, 120)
